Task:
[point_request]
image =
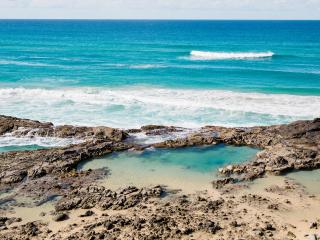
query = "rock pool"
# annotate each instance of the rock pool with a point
(189, 169)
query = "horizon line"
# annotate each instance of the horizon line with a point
(158, 19)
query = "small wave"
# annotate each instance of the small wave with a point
(201, 55)
(146, 66)
(113, 65)
(134, 66)
(22, 63)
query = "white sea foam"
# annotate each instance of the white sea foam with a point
(9, 140)
(201, 55)
(136, 106)
(150, 139)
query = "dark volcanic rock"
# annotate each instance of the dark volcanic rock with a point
(194, 139)
(22, 127)
(53, 172)
(154, 130)
(16, 166)
(31, 230)
(286, 147)
(152, 127)
(9, 124)
(99, 196)
(35, 164)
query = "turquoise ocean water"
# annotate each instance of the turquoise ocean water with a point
(18, 148)
(186, 73)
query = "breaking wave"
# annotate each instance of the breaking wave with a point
(201, 55)
(137, 106)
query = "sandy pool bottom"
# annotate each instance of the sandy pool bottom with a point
(187, 169)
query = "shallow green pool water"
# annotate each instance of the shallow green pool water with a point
(186, 168)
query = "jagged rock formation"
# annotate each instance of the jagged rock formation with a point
(49, 172)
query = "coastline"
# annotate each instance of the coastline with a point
(158, 212)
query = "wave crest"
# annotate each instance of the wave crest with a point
(202, 55)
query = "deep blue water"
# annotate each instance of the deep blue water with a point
(189, 73)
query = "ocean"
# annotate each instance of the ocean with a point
(185, 73)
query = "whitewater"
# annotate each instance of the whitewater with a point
(136, 106)
(201, 55)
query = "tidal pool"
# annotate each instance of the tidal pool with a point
(189, 169)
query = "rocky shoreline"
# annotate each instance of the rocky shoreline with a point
(155, 213)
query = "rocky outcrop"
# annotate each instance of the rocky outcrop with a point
(24, 127)
(181, 217)
(295, 146)
(288, 147)
(159, 129)
(10, 124)
(144, 213)
(99, 196)
(194, 139)
(284, 148)
(16, 166)
(30, 230)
